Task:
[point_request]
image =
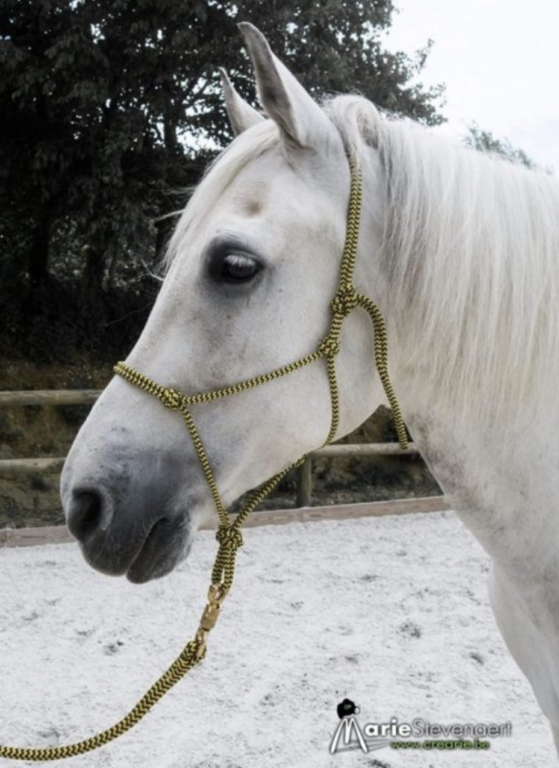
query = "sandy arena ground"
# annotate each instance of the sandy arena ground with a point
(390, 612)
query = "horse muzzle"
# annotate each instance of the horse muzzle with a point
(134, 523)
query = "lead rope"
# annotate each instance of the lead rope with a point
(228, 534)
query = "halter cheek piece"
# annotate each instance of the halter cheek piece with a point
(228, 533)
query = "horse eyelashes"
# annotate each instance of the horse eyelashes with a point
(231, 264)
(239, 268)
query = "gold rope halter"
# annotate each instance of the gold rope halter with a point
(228, 534)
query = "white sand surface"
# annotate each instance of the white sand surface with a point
(392, 613)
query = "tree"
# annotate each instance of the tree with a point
(485, 141)
(108, 106)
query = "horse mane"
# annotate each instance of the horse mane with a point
(471, 257)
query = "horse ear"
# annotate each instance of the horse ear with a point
(284, 99)
(241, 114)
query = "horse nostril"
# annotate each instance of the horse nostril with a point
(87, 514)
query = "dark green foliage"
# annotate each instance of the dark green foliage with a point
(485, 141)
(111, 106)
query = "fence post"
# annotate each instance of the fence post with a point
(304, 483)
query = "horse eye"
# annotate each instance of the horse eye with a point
(238, 268)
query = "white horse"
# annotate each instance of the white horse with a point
(461, 253)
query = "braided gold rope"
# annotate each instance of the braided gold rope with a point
(189, 657)
(149, 386)
(381, 360)
(228, 534)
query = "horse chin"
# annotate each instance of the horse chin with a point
(166, 545)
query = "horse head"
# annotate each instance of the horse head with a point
(251, 269)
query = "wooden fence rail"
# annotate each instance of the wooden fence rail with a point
(59, 534)
(10, 468)
(49, 397)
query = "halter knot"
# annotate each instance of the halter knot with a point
(171, 399)
(329, 346)
(344, 301)
(229, 537)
